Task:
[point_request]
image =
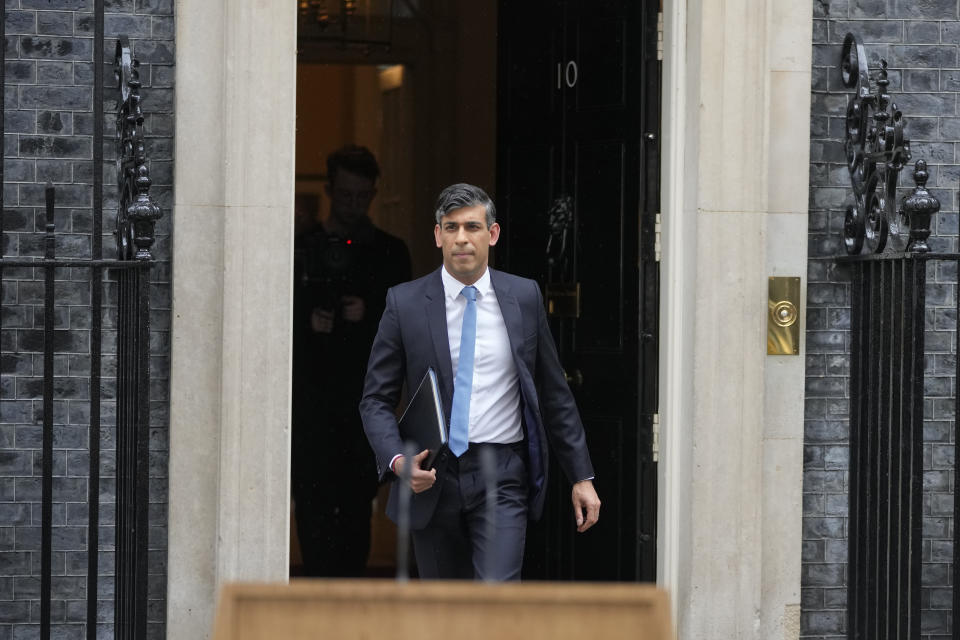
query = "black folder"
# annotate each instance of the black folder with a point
(422, 421)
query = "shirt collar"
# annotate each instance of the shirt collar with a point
(452, 287)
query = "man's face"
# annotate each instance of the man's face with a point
(465, 239)
(350, 197)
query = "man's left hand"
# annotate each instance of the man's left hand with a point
(352, 308)
(586, 505)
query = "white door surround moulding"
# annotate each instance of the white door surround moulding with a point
(229, 450)
(676, 303)
(736, 80)
(229, 504)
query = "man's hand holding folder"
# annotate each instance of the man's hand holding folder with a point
(420, 479)
(422, 425)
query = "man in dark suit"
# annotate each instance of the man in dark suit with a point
(485, 334)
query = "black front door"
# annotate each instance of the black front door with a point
(578, 133)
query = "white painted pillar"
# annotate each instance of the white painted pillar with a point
(232, 301)
(788, 56)
(736, 151)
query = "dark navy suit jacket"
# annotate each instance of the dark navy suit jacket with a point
(413, 337)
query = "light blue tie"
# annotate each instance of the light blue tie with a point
(463, 383)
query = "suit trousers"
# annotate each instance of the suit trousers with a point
(467, 536)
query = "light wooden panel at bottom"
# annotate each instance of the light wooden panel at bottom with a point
(438, 610)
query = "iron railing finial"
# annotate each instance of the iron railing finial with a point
(918, 208)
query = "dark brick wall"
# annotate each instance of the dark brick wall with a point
(919, 39)
(48, 101)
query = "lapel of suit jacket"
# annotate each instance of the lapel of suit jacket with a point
(437, 320)
(510, 310)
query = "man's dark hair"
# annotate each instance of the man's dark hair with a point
(354, 159)
(460, 195)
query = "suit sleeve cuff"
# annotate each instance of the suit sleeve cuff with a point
(393, 460)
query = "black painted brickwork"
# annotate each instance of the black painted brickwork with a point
(48, 107)
(919, 39)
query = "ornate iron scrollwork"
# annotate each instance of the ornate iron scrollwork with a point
(137, 214)
(876, 150)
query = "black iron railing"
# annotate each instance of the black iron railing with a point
(889, 370)
(886, 442)
(136, 216)
(889, 311)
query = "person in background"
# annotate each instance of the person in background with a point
(343, 268)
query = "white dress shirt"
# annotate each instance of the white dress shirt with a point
(495, 395)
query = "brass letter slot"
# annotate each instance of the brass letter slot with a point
(563, 300)
(783, 317)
